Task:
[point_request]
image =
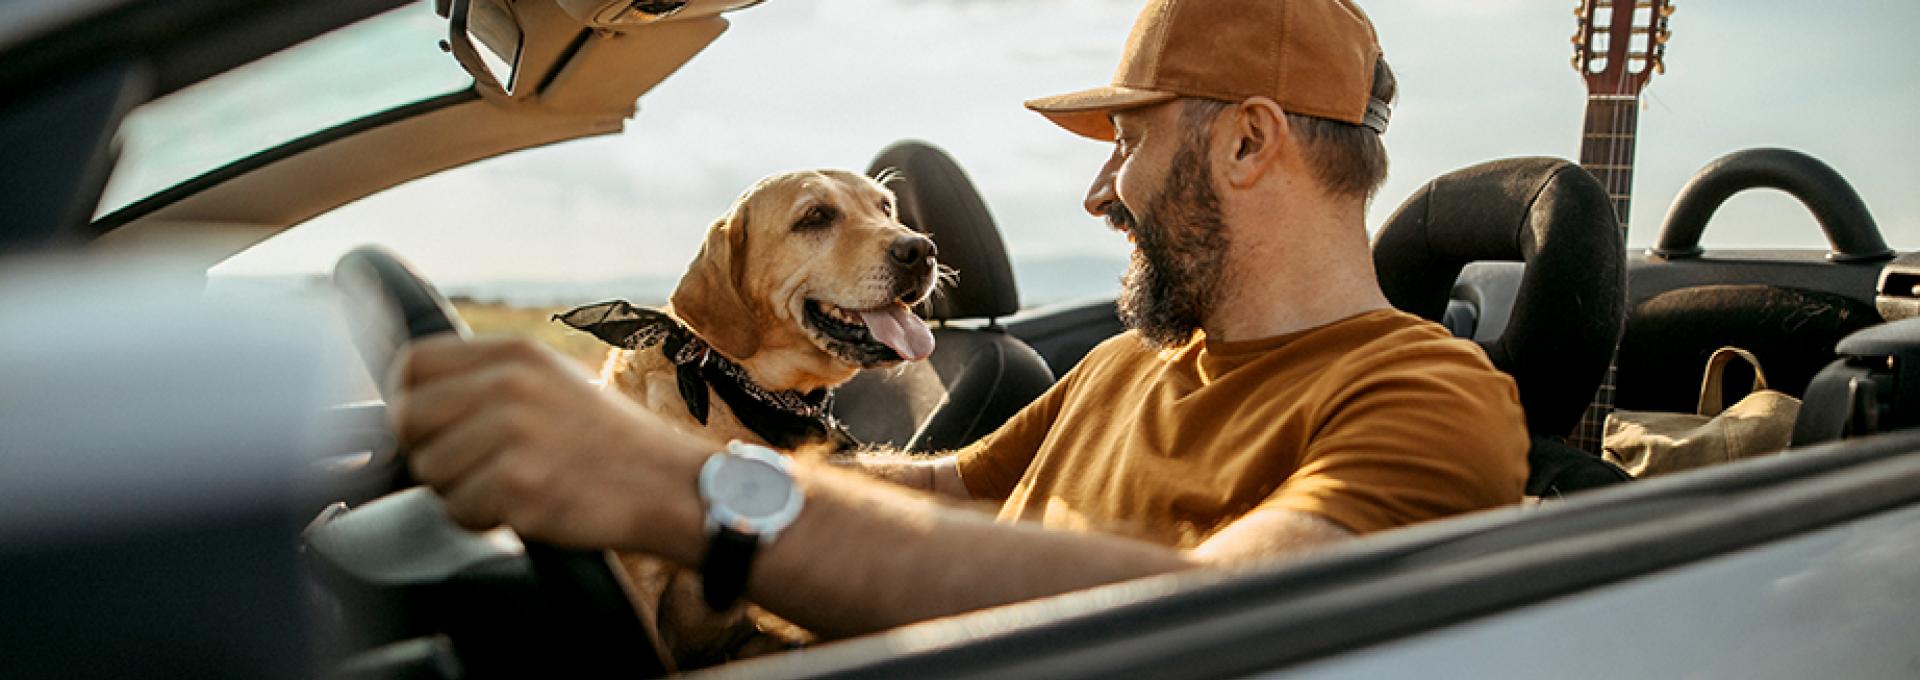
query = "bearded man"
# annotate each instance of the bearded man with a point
(1266, 400)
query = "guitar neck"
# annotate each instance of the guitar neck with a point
(1620, 45)
(1606, 148)
(1606, 151)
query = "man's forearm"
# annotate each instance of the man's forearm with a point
(864, 556)
(918, 559)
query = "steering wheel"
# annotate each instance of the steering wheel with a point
(388, 306)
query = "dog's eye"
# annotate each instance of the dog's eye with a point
(886, 206)
(816, 217)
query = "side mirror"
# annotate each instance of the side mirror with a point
(485, 37)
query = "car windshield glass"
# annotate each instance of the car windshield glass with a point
(370, 66)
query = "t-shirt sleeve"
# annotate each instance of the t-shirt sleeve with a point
(992, 465)
(1429, 432)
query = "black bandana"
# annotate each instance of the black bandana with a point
(787, 419)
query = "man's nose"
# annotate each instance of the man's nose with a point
(1102, 193)
(911, 251)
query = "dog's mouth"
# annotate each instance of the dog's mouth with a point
(869, 337)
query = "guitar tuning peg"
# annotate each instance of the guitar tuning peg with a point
(1667, 10)
(1659, 66)
(1576, 61)
(1662, 37)
(1580, 10)
(1578, 38)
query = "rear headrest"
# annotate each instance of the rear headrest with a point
(936, 198)
(1548, 213)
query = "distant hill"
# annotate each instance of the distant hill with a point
(1044, 281)
(646, 291)
(1041, 281)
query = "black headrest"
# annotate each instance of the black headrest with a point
(1567, 316)
(936, 198)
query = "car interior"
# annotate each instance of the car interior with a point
(364, 577)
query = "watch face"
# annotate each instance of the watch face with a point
(751, 488)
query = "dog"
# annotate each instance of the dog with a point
(808, 278)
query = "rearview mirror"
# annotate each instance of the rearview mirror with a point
(485, 37)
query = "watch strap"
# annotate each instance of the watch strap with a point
(723, 573)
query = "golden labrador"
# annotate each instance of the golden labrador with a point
(806, 280)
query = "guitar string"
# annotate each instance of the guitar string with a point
(1616, 172)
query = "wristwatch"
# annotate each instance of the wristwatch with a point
(750, 497)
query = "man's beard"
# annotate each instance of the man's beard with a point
(1180, 254)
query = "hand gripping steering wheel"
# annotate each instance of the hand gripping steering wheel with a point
(389, 305)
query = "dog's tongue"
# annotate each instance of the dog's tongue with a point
(895, 326)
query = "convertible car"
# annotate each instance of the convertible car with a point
(192, 484)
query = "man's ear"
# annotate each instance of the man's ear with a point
(1259, 139)
(709, 298)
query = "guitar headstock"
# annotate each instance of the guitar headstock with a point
(1621, 44)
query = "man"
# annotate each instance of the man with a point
(1267, 400)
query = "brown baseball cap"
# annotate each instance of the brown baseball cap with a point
(1313, 57)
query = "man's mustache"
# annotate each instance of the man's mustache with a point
(1120, 218)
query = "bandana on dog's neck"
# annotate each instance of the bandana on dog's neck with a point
(786, 419)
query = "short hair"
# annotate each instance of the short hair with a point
(1347, 159)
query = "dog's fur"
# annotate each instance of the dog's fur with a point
(790, 241)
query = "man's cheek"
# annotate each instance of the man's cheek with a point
(1123, 185)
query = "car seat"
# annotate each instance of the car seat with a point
(1873, 387)
(1567, 314)
(978, 375)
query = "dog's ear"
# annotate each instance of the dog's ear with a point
(710, 298)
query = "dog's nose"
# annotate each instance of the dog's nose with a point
(908, 251)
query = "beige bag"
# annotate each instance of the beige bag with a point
(1647, 443)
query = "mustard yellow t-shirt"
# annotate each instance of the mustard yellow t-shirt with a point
(1375, 421)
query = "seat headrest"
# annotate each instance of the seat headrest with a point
(1567, 316)
(936, 198)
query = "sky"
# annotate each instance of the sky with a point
(819, 83)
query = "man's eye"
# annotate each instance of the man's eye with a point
(816, 217)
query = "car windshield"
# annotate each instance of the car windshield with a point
(370, 66)
(810, 84)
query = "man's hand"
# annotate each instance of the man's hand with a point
(509, 432)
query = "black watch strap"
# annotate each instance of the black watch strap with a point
(723, 574)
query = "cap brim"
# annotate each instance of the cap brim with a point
(1089, 113)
